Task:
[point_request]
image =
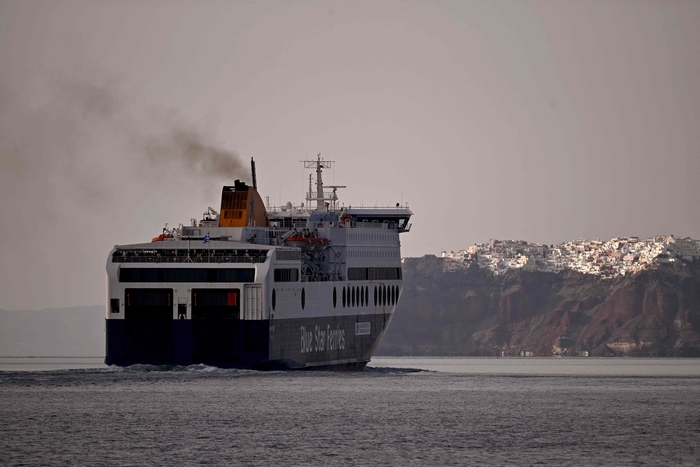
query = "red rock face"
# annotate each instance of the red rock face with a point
(624, 304)
(472, 312)
(660, 302)
(510, 308)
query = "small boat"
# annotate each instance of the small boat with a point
(307, 241)
(162, 237)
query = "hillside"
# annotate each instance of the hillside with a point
(474, 312)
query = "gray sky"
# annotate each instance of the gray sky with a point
(541, 120)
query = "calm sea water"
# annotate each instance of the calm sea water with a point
(399, 411)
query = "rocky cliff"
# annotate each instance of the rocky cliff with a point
(474, 312)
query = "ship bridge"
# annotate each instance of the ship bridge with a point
(381, 218)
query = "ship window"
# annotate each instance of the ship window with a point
(303, 298)
(362, 296)
(274, 299)
(114, 305)
(367, 295)
(375, 295)
(286, 275)
(288, 255)
(384, 295)
(186, 275)
(381, 274)
(344, 298)
(335, 297)
(353, 296)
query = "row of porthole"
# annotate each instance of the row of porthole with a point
(383, 295)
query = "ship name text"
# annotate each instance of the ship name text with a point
(320, 340)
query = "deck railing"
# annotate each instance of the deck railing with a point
(202, 258)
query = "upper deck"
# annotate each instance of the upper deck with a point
(182, 251)
(326, 240)
(243, 217)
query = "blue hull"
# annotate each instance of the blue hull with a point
(331, 342)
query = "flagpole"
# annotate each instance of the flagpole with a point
(206, 240)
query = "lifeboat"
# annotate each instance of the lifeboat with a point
(162, 237)
(307, 242)
(320, 244)
(298, 241)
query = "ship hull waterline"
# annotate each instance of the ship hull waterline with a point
(339, 342)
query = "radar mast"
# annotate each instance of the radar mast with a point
(321, 197)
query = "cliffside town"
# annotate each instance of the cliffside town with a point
(619, 256)
(647, 305)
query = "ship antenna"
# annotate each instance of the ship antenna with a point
(252, 169)
(320, 197)
(319, 184)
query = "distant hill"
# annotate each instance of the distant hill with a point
(474, 312)
(77, 331)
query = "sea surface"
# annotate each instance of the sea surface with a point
(399, 411)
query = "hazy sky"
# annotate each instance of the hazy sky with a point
(537, 120)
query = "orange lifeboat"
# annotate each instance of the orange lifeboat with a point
(307, 242)
(298, 241)
(162, 237)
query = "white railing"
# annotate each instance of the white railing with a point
(373, 225)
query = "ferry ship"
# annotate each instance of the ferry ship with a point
(260, 287)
